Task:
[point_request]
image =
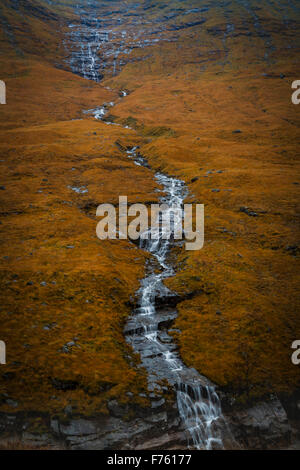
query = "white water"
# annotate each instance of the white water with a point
(95, 33)
(198, 403)
(84, 43)
(147, 329)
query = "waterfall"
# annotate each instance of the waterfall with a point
(84, 42)
(146, 331)
(200, 409)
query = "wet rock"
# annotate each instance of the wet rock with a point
(291, 404)
(158, 403)
(116, 409)
(111, 432)
(79, 427)
(54, 426)
(164, 442)
(36, 440)
(263, 426)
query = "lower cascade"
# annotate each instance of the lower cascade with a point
(198, 403)
(200, 410)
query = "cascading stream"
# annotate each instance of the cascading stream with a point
(147, 329)
(198, 403)
(84, 42)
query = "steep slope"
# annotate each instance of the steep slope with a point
(208, 91)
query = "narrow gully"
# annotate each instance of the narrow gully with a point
(198, 403)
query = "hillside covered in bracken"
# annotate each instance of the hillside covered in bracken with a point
(203, 90)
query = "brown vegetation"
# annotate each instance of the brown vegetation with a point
(61, 285)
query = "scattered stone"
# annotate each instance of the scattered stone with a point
(225, 230)
(153, 395)
(12, 403)
(66, 347)
(49, 326)
(64, 384)
(237, 131)
(248, 211)
(158, 403)
(78, 189)
(292, 249)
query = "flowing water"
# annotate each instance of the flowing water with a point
(84, 42)
(147, 330)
